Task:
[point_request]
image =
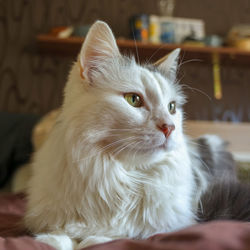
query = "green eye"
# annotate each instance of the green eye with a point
(172, 107)
(133, 99)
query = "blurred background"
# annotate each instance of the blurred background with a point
(32, 80)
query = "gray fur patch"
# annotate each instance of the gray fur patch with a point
(217, 160)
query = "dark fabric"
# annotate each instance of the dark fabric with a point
(220, 235)
(13, 235)
(12, 208)
(15, 142)
(223, 235)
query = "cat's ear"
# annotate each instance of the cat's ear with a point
(169, 64)
(99, 45)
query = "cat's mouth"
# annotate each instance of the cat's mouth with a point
(164, 147)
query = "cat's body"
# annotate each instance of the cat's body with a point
(111, 169)
(104, 197)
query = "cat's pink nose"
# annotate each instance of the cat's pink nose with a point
(166, 129)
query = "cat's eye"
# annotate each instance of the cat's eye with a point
(172, 107)
(133, 99)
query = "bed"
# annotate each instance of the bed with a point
(220, 235)
(217, 235)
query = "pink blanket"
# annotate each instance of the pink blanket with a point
(221, 235)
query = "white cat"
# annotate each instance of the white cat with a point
(116, 164)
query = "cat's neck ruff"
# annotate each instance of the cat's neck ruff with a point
(164, 187)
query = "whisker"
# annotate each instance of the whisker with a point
(201, 206)
(201, 161)
(198, 90)
(103, 149)
(136, 149)
(121, 148)
(188, 61)
(180, 62)
(205, 165)
(136, 48)
(194, 142)
(155, 52)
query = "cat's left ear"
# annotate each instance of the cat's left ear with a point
(169, 64)
(99, 45)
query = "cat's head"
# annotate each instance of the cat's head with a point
(130, 111)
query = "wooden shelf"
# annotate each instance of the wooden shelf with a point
(71, 46)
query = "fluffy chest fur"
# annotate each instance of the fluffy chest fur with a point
(138, 203)
(103, 197)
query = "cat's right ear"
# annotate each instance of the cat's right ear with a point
(169, 64)
(99, 46)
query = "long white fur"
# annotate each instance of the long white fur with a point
(106, 170)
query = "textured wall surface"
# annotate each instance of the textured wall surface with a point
(32, 82)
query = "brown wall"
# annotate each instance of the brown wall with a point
(31, 82)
